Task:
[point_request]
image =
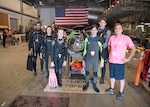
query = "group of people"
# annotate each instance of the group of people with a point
(99, 48)
(5, 34)
(48, 45)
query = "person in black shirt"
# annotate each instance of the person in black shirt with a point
(34, 45)
(4, 36)
(46, 48)
(59, 55)
(104, 34)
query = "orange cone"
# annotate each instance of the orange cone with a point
(135, 84)
(138, 71)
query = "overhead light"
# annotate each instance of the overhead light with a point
(117, 1)
(112, 5)
(40, 3)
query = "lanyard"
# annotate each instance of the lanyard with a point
(117, 41)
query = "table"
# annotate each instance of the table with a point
(18, 36)
(70, 55)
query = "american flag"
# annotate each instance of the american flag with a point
(71, 16)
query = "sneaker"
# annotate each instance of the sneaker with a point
(34, 74)
(110, 91)
(120, 96)
(59, 85)
(47, 76)
(41, 72)
(101, 82)
(86, 87)
(95, 88)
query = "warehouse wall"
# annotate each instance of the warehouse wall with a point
(28, 10)
(11, 4)
(4, 23)
(26, 20)
(12, 8)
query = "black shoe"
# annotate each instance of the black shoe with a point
(47, 76)
(34, 74)
(110, 91)
(59, 85)
(86, 87)
(95, 88)
(102, 82)
(42, 72)
(120, 96)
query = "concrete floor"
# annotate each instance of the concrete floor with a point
(16, 80)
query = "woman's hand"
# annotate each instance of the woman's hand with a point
(83, 64)
(52, 64)
(64, 63)
(101, 64)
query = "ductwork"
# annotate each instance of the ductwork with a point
(97, 9)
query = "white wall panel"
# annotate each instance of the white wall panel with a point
(28, 20)
(11, 4)
(14, 5)
(29, 10)
(25, 19)
(47, 16)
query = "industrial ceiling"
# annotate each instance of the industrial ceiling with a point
(98, 7)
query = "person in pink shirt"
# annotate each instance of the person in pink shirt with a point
(117, 46)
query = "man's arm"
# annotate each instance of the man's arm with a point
(132, 51)
(85, 48)
(109, 48)
(65, 53)
(107, 38)
(84, 52)
(30, 44)
(42, 48)
(100, 55)
(42, 45)
(53, 53)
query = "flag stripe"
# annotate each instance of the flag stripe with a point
(75, 12)
(71, 20)
(74, 15)
(71, 16)
(67, 21)
(76, 9)
(71, 24)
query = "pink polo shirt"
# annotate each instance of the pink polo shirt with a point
(118, 46)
